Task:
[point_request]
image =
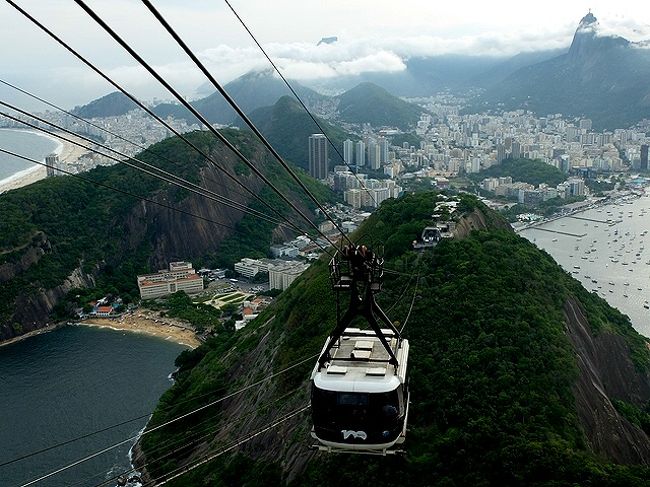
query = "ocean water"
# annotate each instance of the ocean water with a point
(614, 254)
(74, 380)
(26, 143)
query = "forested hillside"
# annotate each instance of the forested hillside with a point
(63, 233)
(518, 374)
(532, 171)
(287, 127)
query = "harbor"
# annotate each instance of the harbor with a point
(606, 248)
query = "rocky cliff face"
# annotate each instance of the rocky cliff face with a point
(606, 372)
(32, 311)
(153, 233)
(478, 220)
(173, 235)
(30, 254)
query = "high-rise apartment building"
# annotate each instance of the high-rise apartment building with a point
(52, 162)
(383, 149)
(348, 151)
(360, 156)
(374, 155)
(318, 163)
(644, 157)
(501, 153)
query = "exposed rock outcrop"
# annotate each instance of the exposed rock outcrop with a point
(606, 372)
(32, 311)
(31, 253)
(477, 220)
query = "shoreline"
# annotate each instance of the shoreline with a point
(137, 324)
(67, 152)
(169, 332)
(29, 334)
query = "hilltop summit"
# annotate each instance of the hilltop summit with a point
(603, 77)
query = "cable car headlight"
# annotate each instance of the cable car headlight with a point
(385, 434)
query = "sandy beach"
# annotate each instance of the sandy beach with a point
(140, 323)
(67, 152)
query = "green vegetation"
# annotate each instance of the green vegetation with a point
(599, 187)
(634, 414)
(410, 138)
(491, 368)
(81, 225)
(531, 171)
(111, 105)
(369, 103)
(287, 127)
(180, 305)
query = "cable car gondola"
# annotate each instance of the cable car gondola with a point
(359, 386)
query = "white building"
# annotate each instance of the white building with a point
(282, 275)
(247, 267)
(360, 158)
(348, 151)
(180, 277)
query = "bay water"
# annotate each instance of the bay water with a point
(66, 383)
(608, 250)
(29, 144)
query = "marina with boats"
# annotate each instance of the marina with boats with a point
(606, 247)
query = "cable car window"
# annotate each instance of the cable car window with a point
(351, 399)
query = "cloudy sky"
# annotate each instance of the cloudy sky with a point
(373, 36)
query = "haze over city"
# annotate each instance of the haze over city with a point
(372, 37)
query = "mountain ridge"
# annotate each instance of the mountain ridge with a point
(499, 336)
(86, 236)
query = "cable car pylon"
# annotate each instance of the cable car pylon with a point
(359, 392)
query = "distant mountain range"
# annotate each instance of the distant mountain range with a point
(370, 103)
(251, 91)
(605, 78)
(365, 102)
(601, 77)
(111, 105)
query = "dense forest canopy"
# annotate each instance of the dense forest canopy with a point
(491, 369)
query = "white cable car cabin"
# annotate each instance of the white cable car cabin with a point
(359, 401)
(359, 386)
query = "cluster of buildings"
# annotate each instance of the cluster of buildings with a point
(453, 143)
(528, 194)
(372, 153)
(135, 126)
(180, 276)
(360, 191)
(281, 272)
(85, 162)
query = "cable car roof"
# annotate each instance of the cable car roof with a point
(360, 364)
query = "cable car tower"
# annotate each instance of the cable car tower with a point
(359, 386)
